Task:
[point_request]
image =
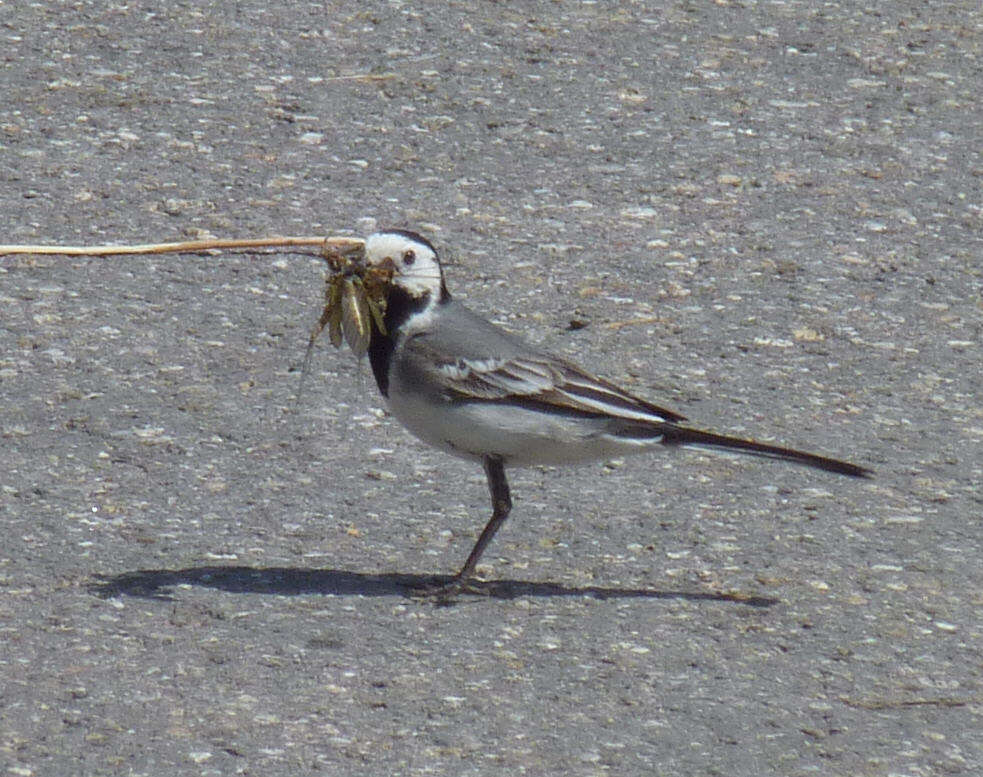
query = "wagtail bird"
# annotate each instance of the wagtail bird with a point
(461, 384)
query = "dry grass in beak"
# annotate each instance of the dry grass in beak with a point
(354, 297)
(187, 246)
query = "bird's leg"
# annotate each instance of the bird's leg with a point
(501, 506)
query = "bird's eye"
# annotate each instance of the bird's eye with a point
(408, 258)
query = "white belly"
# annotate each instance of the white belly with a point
(521, 437)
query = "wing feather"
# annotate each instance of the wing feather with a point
(547, 383)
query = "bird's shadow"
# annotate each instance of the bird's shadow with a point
(292, 581)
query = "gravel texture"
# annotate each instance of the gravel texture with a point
(767, 216)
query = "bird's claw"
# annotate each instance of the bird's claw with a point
(442, 591)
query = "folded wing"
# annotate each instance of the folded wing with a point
(549, 384)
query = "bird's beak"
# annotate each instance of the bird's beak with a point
(388, 265)
(346, 255)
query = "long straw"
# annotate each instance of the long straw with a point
(187, 246)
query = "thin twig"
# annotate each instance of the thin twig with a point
(188, 246)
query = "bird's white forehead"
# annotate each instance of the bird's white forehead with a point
(391, 244)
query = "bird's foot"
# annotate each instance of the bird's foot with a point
(442, 590)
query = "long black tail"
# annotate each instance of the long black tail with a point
(681, 435)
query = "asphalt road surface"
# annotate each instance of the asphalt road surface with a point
(767, 216)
